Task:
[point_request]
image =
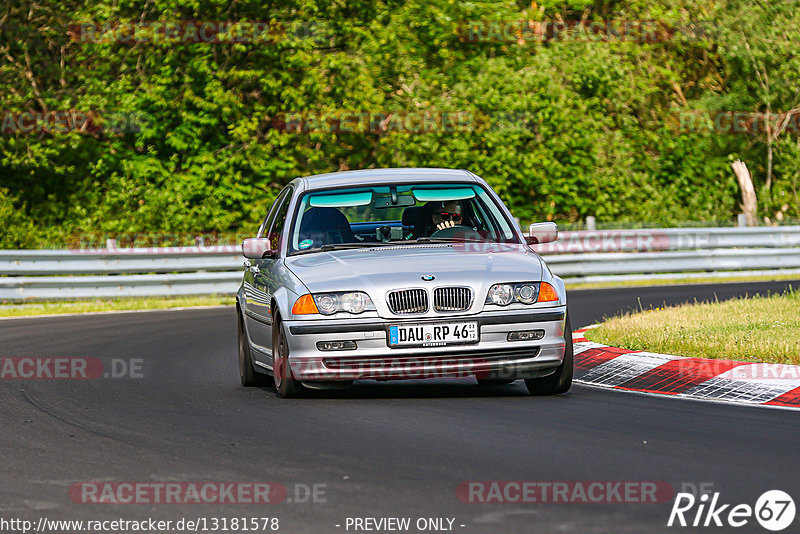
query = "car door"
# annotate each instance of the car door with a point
(261, 276)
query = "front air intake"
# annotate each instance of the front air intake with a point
(452, 299)
(408, 301)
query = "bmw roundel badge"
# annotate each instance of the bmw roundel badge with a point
(428, 277)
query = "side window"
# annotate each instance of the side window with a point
(271, 214)
(279, 222)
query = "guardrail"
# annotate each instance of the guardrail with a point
(131, 272)
(663, 239)
(584, 256)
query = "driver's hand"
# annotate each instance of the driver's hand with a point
(445, 224)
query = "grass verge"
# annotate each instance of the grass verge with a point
(106, 305)
(753, 329)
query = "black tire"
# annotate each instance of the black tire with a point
(561, 380)
(247, 373)
(285, 384)
(494, 381)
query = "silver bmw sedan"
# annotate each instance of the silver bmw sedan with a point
(392, 274)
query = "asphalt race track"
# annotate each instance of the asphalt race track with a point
(380, 450)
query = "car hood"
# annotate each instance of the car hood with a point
(381, 269)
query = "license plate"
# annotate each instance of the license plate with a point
(432, 335)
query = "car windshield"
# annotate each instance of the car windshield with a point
(398, 214)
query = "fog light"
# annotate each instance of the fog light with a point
(336, 345)
(527, 335)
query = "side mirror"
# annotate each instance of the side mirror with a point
(256, 248)
(543, 232)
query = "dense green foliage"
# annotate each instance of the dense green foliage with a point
(591, 125)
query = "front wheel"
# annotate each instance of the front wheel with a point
(285, 384)
(561, 380)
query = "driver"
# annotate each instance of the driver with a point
(446, 215)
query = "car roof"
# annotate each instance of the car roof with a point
(384, 176)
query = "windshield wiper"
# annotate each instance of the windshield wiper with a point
(448, 240)
(341, 246)
(419, 241)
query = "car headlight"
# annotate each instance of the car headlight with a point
(501, 294)
(526, 294)
(523, 292)
(327, 304)
(351, 302)
(354, 302)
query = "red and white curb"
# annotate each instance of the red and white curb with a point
(694, 378)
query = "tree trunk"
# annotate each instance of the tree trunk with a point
(769, 167)
(749, 201)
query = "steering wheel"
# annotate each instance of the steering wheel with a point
(458, 231)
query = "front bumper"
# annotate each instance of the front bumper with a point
(493, 356)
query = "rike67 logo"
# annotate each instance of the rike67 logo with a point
(774, 510)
